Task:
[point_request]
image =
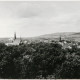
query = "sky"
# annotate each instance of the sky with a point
(34, 18)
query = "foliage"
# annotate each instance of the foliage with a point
(39, 60)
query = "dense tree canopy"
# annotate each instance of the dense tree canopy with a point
(39, 60)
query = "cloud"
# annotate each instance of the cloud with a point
(38, 18)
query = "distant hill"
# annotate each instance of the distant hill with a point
(54, 36)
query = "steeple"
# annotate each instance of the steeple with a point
(21, 41)
(60, 39)
(14, 35)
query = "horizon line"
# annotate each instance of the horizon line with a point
(36, 36)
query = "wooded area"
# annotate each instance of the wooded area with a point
(40, 61)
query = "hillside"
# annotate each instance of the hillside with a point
(55, 36)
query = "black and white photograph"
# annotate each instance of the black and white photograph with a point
(39, 39)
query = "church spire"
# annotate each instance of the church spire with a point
(14, 35)
(60, 39)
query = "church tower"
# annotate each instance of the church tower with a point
(14, 35)
(60, 39)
